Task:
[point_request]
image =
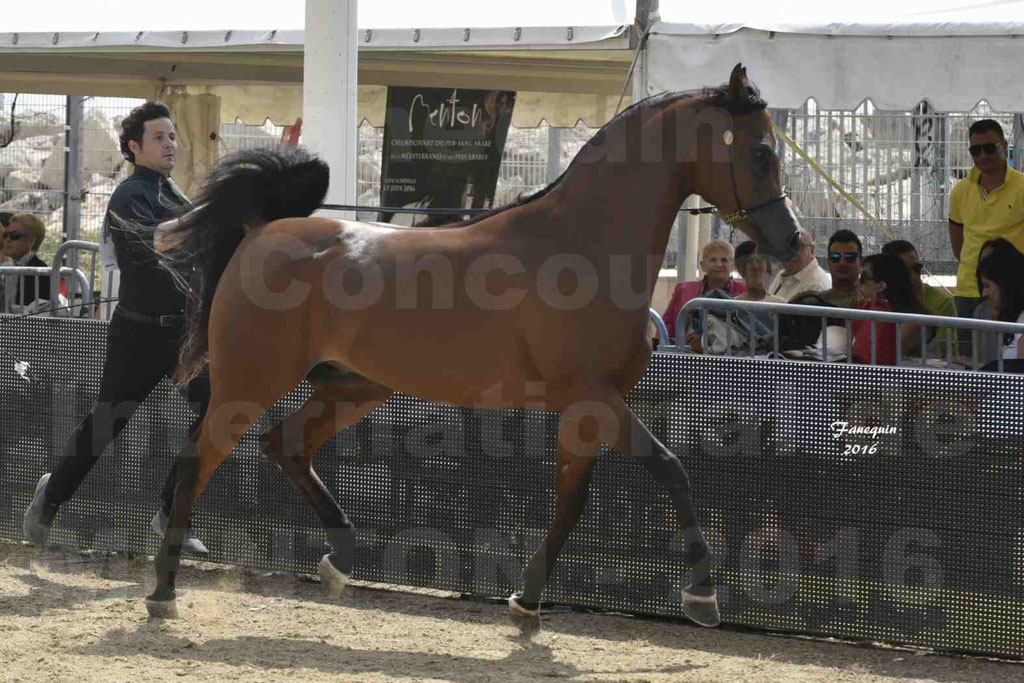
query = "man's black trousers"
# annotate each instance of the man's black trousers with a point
(138, 356)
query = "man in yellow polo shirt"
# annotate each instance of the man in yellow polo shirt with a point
(988, 203)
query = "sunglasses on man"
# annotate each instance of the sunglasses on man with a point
(848, 256)
(987, 148)
(13, 236)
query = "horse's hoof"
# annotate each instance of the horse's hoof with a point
(702, 609)
(528, 620)
(332, 580)
(162, 609)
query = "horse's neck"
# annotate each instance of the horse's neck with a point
(625, 205)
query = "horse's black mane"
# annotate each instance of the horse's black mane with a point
(721, 97)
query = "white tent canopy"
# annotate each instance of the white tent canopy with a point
(104, 19)
(593, 19)
(896, 53)
(567, 59)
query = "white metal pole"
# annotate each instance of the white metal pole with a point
(554, 168)
(705, 225)
(329, 94)
(689, 271)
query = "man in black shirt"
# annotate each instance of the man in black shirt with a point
(147, 326)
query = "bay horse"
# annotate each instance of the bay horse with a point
(542, 304)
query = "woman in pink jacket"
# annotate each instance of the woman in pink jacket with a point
(716, 262)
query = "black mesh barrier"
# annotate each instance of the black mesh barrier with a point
(910, 533)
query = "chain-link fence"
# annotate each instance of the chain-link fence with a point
(901, 166)
(103, 164)
(32, 164)
(32, 160)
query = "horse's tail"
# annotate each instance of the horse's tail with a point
(244, 191)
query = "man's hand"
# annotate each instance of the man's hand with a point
(164, 239)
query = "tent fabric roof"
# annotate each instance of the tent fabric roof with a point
(567, 59)
(952, 53)
(863, 18)
(56, 24)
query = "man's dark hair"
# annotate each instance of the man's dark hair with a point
(986, 126)
(133, 127)
(898, 247)
(5, 218)
(845, 236)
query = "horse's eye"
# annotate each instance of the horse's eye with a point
(761, 157)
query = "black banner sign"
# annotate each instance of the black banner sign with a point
(442, 150)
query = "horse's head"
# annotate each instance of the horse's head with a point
(738, 169)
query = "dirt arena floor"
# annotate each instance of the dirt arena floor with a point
(72, 616)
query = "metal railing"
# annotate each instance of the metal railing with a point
(77, 282)
(659, 325)
(85, 283)
(702, 306)
(55, 273)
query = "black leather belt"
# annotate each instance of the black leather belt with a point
(169, 320)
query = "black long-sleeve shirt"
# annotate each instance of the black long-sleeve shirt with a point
(146, 198)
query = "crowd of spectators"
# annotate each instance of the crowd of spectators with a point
(986, 226)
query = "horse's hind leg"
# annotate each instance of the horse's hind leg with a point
(291, 445)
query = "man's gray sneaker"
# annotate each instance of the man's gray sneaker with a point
(191, 544)
(39, 516)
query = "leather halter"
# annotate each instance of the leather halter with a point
(742, 214)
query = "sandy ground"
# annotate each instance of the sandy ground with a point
(72, 616)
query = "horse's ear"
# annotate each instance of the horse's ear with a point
(738, 83)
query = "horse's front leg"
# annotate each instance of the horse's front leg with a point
(291, 446)
(605, 418)
(699, 598)
(578, 443)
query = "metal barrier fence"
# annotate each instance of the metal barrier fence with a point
(17, 278)
(754, 309)
(843, 500)
(14, 281)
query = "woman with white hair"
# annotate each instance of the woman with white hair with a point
(716, 262)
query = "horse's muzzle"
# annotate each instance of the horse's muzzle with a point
(778, 230)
